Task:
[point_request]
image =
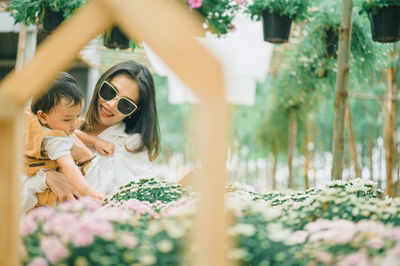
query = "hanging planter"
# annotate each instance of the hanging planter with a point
(277, 16)
(49, 14)
(115, 38)
(385, 24)
(331, 42)
(276, 27)
(51, 20)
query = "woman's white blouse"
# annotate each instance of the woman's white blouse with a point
(106, 173)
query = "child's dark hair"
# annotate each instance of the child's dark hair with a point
(65, 87)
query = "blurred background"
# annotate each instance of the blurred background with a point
(281, 96)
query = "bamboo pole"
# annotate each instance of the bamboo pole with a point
(341, 89)
(352, 143)
(291, 146)
(390, 139)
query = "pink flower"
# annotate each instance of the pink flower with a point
(298, 237)
(231, 28)
(53, 249)
(195, 3)
(240, 2)
(129, 240)
(140, 207)
(27, 225)
(324, 257)
(375, 243)
(38, 261)
(60, 223)
(395, 233)
(90, 204)
(82, 238)
(355, 259)
(103, 229)
(42, 213)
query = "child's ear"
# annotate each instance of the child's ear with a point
(42, 116)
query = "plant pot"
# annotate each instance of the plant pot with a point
(331, 42)
(51, 20)
(115, 38)
(385, 24)
(276, 27)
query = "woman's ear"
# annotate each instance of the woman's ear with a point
(42, 116)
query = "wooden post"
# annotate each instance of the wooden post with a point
(21, 47)
(10, 172)
(306, 156)
(273, 169)
(352, 143)
(370, 156)
(291, 146)
(390, 132)
(341, 89)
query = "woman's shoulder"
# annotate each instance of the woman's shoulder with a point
(133, 141)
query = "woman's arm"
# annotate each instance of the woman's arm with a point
(57, 182)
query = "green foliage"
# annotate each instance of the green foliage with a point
(296, 9)
(33, 11)
(148, 189)
(173, 120)
(373, 5)
(218, 14)
(319, 47)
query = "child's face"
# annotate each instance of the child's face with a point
(63, 116)
(108, 112)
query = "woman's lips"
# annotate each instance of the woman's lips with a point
(105, 112)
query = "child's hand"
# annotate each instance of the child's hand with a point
(95, 194)
(104, 147)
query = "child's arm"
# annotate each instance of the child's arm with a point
(102, 146)
(75, 177)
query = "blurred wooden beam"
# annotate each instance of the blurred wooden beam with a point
(10, 172)
(57, 52)
(168, 28)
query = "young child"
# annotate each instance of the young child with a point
(48, 126)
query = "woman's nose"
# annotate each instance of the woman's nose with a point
(113, 102)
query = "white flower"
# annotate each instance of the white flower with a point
(165, 246)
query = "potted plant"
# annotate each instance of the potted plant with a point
(277, 16)
(114, 38)
(384, 18)
(318, 49)
(48, 13)
(218, 14)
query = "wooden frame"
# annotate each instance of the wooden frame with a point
(169, 29)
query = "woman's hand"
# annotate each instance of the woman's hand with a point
(79, 151)
(57, 182)
(104, 147)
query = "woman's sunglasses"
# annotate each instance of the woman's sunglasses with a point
(125, 105)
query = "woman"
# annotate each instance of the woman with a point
(121, 127)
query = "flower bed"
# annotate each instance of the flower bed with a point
(343, 223)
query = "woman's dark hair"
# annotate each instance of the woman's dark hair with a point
(65, 87)
(144, 121)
